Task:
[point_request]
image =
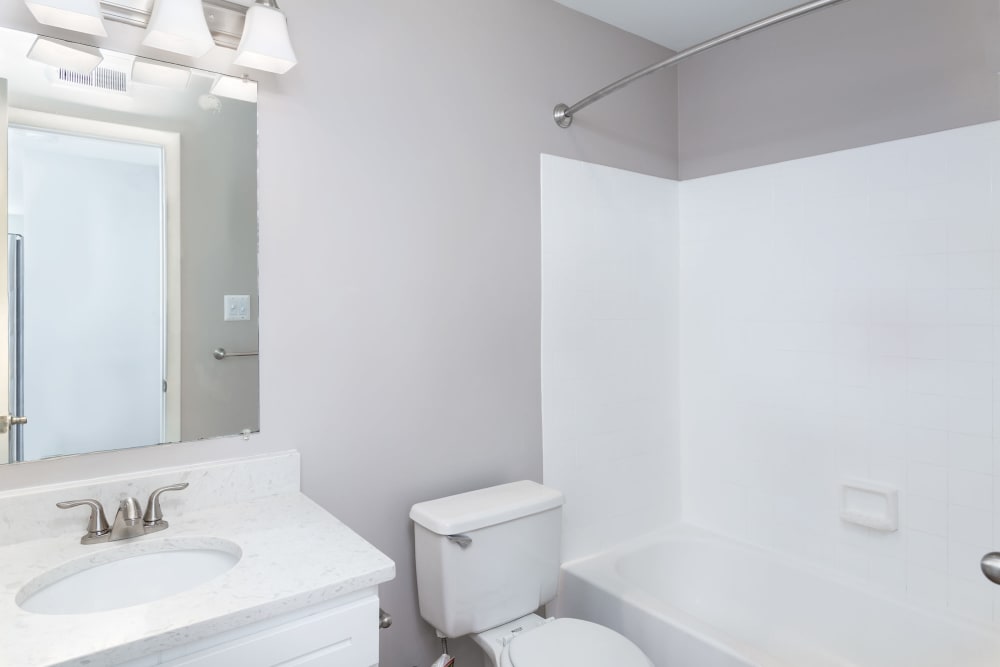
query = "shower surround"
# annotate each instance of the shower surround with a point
(609, 351)
(836, 320)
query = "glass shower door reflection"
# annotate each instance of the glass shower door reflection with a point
(87, 325)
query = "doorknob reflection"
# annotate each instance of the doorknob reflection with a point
(6, 421)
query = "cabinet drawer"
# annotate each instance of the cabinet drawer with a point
(342, 636)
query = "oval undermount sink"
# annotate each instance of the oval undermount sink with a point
(133, 574)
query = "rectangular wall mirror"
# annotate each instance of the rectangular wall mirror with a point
(131, 264)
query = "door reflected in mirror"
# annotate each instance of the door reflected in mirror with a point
(131, 217)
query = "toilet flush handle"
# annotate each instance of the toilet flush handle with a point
(461, 540)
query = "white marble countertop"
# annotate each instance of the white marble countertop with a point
(294, 554)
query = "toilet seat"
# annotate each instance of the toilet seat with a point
(570, 642)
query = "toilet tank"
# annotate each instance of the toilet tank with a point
(508, 567)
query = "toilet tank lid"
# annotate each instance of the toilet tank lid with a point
(485, 507)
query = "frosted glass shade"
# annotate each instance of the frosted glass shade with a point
(265, 44)
(237, 89)
(160, 74)
(179, 26)
(73, 57)
(76, 15)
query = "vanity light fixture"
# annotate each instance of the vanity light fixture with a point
(237, 89)
(72, 57)
(77, 15)
(160, 74)
(179, 26)
(265, 44)
(186, 27)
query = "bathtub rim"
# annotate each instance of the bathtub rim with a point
(599, 570)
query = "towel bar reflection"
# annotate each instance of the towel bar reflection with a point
(220, 354)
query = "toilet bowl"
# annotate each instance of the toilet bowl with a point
(533, 641)
(486, 560)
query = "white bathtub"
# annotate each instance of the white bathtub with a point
(692, 599)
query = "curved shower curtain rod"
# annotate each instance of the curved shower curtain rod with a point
(563, 113)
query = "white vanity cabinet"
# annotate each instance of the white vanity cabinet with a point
(340, 633)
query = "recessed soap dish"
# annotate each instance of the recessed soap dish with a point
(870, 504)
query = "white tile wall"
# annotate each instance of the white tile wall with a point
(609, 351)
(839, 319)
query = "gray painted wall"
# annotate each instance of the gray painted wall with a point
(400, 250)
(858, 73)
(218, 257)
(401, 265)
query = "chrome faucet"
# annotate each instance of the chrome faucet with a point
(128, 522)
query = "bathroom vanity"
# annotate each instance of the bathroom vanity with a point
(250, 572)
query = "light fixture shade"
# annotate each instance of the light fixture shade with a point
(237, 89)
(76, 15)
(265, 44)
(179, 26)
(73, 57)
(156, 73)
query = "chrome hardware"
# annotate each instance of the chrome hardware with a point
(15, 348)
(384, 619)
(461, 540)
(129, 522)
(990, 566)
(6, 421)
(225, 19)
(98, 529)
(153, 515)
(220, 354)
(563, 114)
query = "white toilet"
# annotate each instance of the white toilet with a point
(486, 560)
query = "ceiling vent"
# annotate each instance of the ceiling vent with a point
(102, 78)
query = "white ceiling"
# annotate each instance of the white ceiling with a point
(678, 24)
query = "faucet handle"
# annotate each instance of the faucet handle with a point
(98, 524)
(153, 514)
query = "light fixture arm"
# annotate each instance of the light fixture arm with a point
(225, 19)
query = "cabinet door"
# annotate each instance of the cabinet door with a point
(344, 636)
